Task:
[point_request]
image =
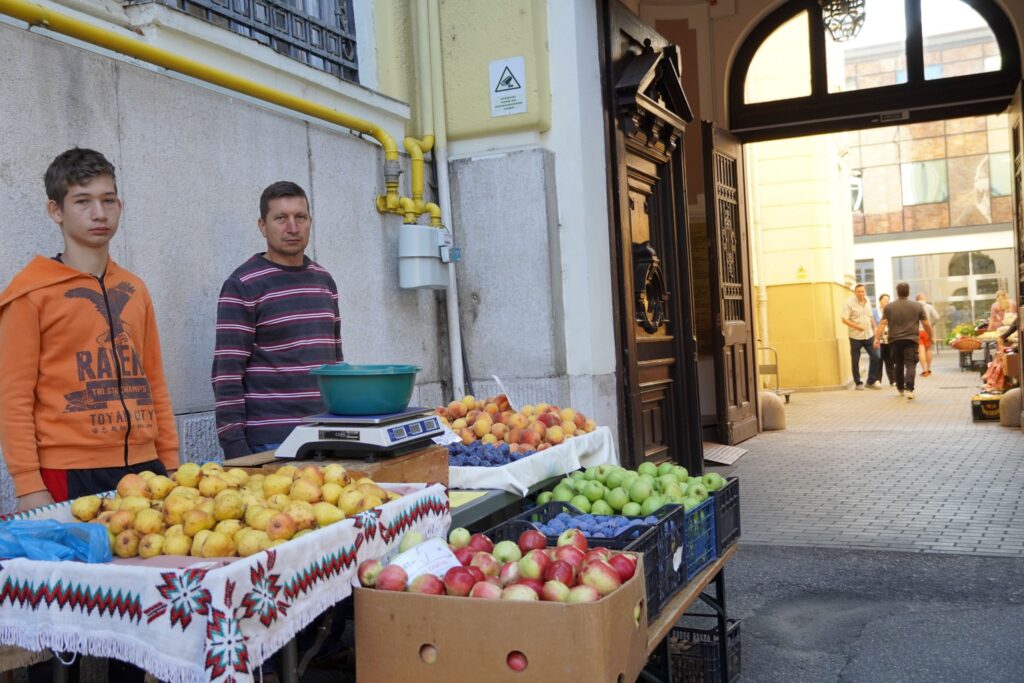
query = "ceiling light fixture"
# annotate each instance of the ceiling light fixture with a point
(843, 18)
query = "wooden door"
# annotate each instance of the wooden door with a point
(1016, 116)
(647, 113)
(733, 342)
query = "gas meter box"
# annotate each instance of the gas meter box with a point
(420, 265)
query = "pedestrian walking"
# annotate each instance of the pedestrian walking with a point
(925, 338)
(902, 319)
(884, 351)
(857, 317)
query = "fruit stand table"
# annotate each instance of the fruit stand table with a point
(674, 609)
(192, 620)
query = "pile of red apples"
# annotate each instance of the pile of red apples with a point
(531, 428)
(524, 570)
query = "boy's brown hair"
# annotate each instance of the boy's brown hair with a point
(76, 166)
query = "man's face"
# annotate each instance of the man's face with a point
(861, 296)
(286, 228)
(90, 212)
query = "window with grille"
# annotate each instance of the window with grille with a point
(320, 33)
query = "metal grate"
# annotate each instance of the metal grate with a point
(320, 33)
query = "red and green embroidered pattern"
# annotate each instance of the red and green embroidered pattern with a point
(321, 570)
(225, 646)
(262, 600)
(185, 595)
(87, 599)
(404, 521)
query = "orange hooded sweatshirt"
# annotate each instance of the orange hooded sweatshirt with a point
(81, 381)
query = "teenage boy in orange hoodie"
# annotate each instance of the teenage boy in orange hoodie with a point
(83, 398)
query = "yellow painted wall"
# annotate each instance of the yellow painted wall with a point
(471, 39)
(395, 32)
(807, 333)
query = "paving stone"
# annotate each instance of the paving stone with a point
(871, 471)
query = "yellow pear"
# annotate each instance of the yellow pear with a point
(278, 501)
(211, 485)
(236, 476)
(86, 508)
(281, 527)
(302, 514)
(188, 474)
(276, 483)
(218, 545)
(134, 504)
(370, 502)
(229, 527)
(372, 490)
(327, 514)
(149, 522)
(206, 505)
(351, 502)
(132, 485)
(251, 512)
(179, 544)
(175, 507)
(334, 473)
(262, 518)
(331, 492)
(159, 486)
(312, 474)
(196, 521)
(146, 474)
(287, 471)
(211, 467)
(127, 543)
(303, 489)
(251, 542)
(121, 520)
(151, 545)
(175, 530)
(197, 543)
(228, 505)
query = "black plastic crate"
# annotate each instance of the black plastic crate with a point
(700, 541)
(693, 654)
(727, 514)
(657, 544)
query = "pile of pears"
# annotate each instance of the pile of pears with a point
(209, 511)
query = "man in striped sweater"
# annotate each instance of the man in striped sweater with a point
(277, 319)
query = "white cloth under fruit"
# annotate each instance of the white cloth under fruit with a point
(187, 620)
(586, 450)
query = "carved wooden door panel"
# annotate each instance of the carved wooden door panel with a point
(647, 115)
(733, 344)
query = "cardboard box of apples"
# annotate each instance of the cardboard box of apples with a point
(495, 614)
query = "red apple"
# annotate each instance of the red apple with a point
(507, 551)
(601, 576)
(476, 572)
(573, 537)
(583, 593)
(535, 584)
(509, 573)
(459, 581)
(428, 584)
(518, 591)
(495, 580)
(516, 661)
(572, 555)
(562, 571)
(486, 563)
(597, 554)
(554, 591)
(533, 564)
(464, 555)
(392, 578)
(484, 589)
(480, 543)
(624, 565)
(368, 572)
(532, 540)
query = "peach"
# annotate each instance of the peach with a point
(518, 421)
(539, 427)
(549, 419)
(459, 424)
(499, 430)
(568, 428)
(469, 401)
(589, 426)
(555, 435)
(567, 414)
(514, 436)
(580, 420)
(530, 437)
(491, 409)
(543, 446)
(482, 426)
(467, 436)
(456, 409)
(489, 439)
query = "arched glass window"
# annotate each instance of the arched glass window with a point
(919, 60)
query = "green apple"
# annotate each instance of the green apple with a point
(664, 480)
(665, 467)
(648, 468)
(601, 507)
(689, 503)
(639, 491)
(590, 474)
(617, 498)
(594, 491)
(580, 485)
(563, 493)
(581, 503)
(698, 491)
(650, 505)
(713, 481)
(568, 481)
(648, 478)
(578, 474)
(681, 473)
(673, 491)
(545, 498)
(614, 479)
(631, 509)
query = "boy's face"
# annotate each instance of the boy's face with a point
(90, 212)
(287, 227)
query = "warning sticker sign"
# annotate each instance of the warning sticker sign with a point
(508, 86)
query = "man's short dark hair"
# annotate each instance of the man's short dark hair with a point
(76, 166)
(903, 290)
(282, 188)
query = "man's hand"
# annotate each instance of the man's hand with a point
(31, 501)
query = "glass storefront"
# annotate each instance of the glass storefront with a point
(962, 285)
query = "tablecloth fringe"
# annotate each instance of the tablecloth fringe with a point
(311, 608)
(99, 646)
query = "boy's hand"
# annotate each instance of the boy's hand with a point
(32, 501)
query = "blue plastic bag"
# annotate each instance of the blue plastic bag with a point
(47, 539)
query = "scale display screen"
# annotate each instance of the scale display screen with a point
(338, 435)
(412, 430)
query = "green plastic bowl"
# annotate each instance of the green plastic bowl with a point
(366, 389)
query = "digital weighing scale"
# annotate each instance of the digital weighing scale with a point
(361, 436)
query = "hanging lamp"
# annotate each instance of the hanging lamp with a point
(843, 18)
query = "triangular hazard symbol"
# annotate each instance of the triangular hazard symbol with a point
(507, 82)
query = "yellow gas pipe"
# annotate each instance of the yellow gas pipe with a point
(34, 15)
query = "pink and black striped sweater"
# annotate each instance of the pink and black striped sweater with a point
(274, 324)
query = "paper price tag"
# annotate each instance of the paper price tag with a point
(430, 557)
(448, 437)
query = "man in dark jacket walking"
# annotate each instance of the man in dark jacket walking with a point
(904, 319)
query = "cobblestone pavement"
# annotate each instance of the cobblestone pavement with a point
(870, 470)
